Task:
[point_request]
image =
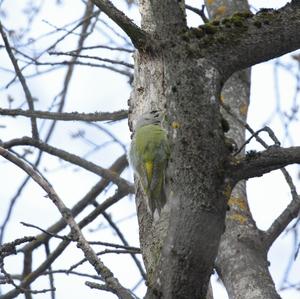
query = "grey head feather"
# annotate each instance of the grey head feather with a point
(149, 118)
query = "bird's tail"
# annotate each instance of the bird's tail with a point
(157, 197)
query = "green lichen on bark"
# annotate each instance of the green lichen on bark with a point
(209, 28)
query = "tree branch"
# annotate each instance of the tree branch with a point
(135, 33)
(292, 210)
(65, 116)
(62, 246)
(258, 163)
(122, 238)
(89, 253)
(282, 221)
(198, 11)
(113, 61)
(105, 173)
(245, 39)
(117, 167)
(19, 74)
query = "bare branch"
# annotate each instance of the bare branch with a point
(120, 182)
(7, 249)
(136, 34)
(102, 287)
(62, 246)
(279, 225)
(50, 275)
(258, 163)
(61, 271)
(254, 135)
(91, 256)
(246, 40)
(65, 116)
(122, 238)
(293, 209)
(90, 64)
(129, 65)
(117, 167)
(122, 49)
(105, 251)
(88, 13)
(199, 12)
(11, 207)
(98, 286)
(19, 74)
(83, 35)
(127, 248)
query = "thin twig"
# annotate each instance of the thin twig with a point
(90, 64)
(100, 268)
(105, 47)
(117, 167)
(65, 116)
(105, 251)
(9, 248)
(46, 232)
(85, 22)
(10, 208)
(74, 159)
(63, 271)
(264, 129)
(63, 245)
(122, 238)
(119, 246)
(111, 135)
(293, 209)
(138, 37)
(199, 12)
(129, 65)
(19, 74)
(51, 276)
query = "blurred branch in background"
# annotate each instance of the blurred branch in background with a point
(29, 58)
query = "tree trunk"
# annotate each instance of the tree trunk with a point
(180, 247)
(242, 258)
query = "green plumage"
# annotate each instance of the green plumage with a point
(149, 154)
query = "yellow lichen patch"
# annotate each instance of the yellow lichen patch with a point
(237, 202)
(244, 108)
(220, 10)
(175, 125)
(238, 218)
(235, 161)
(209, 2)
(227, 190)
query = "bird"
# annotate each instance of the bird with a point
(149, 155)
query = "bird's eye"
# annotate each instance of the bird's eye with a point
(155, 113)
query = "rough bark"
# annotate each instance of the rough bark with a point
(189, 90)
(242, 257)
(243, 39)
(180, 248)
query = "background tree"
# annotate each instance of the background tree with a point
(192, 75)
